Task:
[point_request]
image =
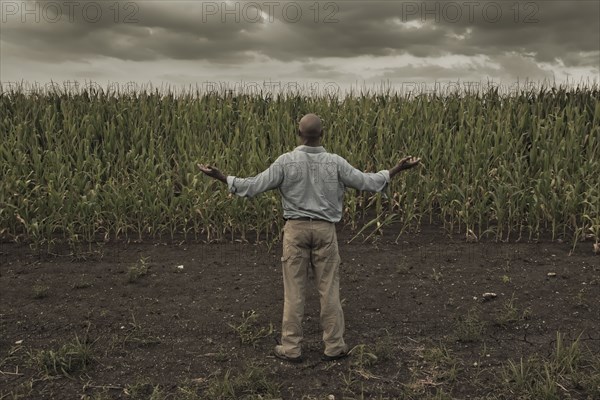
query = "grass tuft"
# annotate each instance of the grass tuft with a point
(138, 270)
(40, 291)
(549, 378)
(470, 327)
(74, 356)
(248, 329)
(251, 383)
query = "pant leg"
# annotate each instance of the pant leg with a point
(326, 264)
(295, 264)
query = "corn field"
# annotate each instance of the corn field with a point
(98, 165)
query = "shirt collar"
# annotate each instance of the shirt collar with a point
(311, 149)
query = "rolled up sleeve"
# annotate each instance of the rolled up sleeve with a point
(368, 181)
(269, 179)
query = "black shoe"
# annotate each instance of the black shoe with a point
(294, 360)
(325, 357)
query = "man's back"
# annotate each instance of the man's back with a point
(311, 182)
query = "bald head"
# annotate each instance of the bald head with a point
(310, 126)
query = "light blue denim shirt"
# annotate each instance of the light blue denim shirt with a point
(311, 182)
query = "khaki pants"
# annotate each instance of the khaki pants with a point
(311, 244)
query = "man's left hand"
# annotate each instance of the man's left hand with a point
(213, 172)
(408, 162)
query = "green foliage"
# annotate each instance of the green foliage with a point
(94, 165)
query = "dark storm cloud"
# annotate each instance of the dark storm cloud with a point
(151, 31)
(235, 33)
(547, 29)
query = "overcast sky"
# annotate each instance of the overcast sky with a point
(281, 43)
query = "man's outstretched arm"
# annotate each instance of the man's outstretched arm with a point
(248, 187)
(372, 182)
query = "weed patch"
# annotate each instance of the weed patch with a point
(72, 357)
(248, 329)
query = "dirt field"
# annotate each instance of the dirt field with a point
(106, 325)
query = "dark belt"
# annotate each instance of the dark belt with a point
(306, 219)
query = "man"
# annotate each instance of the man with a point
(312, 183)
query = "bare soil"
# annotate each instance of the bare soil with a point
(169, 330)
